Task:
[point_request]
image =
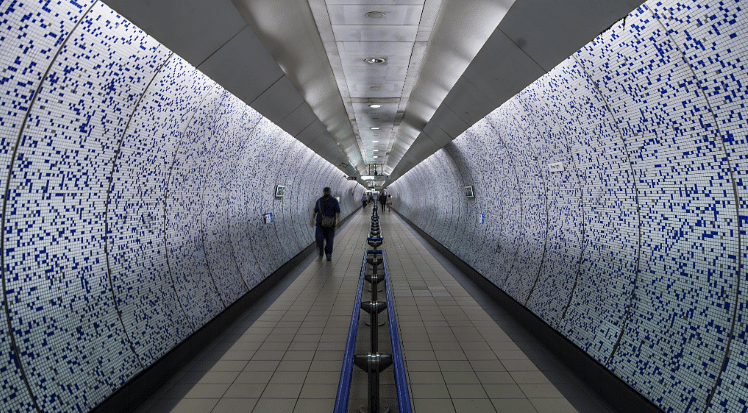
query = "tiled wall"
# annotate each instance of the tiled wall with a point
(636, 252)
(133, 195)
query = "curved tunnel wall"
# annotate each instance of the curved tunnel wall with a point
(636, 251)
(133, 196)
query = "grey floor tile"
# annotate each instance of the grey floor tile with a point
(466, 391)
(184, 406)
(552, 405)
(429, 391)
(513, 405)
(274, 406)
(433, 406)
(473, 405)
(245, 391)
(314, 405)
(234, 406)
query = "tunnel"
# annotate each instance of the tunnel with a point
(555, 187)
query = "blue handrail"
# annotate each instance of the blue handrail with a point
(344, 385)
(401, 382)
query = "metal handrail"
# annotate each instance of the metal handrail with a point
(401, 382)
(344, 385)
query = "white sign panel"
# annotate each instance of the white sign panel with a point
(556, 167)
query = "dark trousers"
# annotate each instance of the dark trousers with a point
(325, 234)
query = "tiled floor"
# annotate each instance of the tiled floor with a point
(462, 354)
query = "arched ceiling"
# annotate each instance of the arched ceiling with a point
(447, 63)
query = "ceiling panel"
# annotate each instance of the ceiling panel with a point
(312, 132)
(298, 120)
(569, 24)
(194, 28)
(243, 54)
(375, 33)
(468, 102)
(279, 100)
(353, 14)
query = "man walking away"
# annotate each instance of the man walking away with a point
(326, 218)
(364, 199)
(383, 200)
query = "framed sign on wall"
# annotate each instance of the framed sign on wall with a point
(280, 190)
(469, 192)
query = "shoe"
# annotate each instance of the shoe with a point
(329, 258)
(319, 257)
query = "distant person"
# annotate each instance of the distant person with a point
(383, 200)
(326, 218)
(389, 201)
(364, 200)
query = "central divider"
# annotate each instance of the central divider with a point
(373, 363)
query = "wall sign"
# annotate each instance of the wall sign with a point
(469, 192)
(280, 190)
(267, 218)
(556, 167)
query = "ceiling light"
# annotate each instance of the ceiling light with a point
(375, 141)
(375, 128)
(375, 14)
(375, 106)
(375, 60)
(376, 156)
(376, 150)
(375, 87)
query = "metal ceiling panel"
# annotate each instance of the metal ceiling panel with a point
(243, 54)
(550, 30)
(298, 120)
(278, 101)
(312, 132)
(374, 2)
(374, 33)
(438, 136)
(468, 102)
(449, 121)
(355, 14)
(375, 48)
(501, 69)
(195, 28)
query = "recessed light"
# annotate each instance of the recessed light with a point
(375, 60)
(375, 106)
(374, 128)
(375, 15)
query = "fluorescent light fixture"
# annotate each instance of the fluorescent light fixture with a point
(375, 128)
(367, 177)
(375, 156)
(375, 141)
(375, 60)
(376, 150)
(375, 106)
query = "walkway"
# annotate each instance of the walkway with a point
(285, 354)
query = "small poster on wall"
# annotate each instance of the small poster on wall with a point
(280, 190)
(469, 192)
(267, 218)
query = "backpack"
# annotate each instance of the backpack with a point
(327, 222)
